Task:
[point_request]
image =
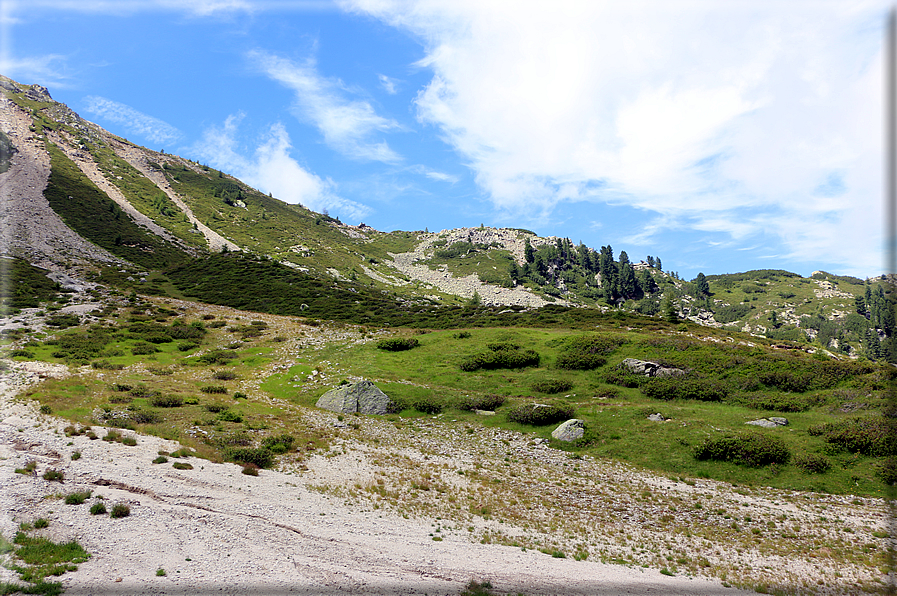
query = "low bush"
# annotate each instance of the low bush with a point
(77, 498)
(145, 417)
(239, 395)
(397, 344)
(121, 387)
(428, 404)
(41, 523)
(143, 348)
(228, 416)
(876, 437)
(129, 441)
(120, 510)
(225, 375)
(167, 401)
(186, 346)
(181, 465)
(216, 389)
(501, 355)
(215, 408)
(261, 456)
(461, 335)
(98, 508)
(539, 414)
(887, 471)
(216, 357)
(748, 449)
(812, 463)
(776, 402)
(106, 365)
(667, 388)
(622, 377)
(586, 352)
(54, 475)
(112, 436)
(490, 402)
(160, 460)
(552, 386)
(279, 444)
(21, 354)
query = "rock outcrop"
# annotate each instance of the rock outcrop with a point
(651, 369)
(771, 422)
(362, 397)
(569, 431)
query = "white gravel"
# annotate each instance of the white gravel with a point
(213, 529)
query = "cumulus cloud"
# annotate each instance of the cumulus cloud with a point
(693, 111)
(348, 125)
(135, 122)
(272, 169)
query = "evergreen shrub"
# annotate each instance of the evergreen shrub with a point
(397, 344)
(540, 415)
(747, 449)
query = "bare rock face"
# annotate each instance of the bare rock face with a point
(651, 369)
(570, 431)
(362, 397)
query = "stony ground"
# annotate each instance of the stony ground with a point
(416, 506)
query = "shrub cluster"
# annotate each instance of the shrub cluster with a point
(428, 404)
(748, 449)
(279, 444)
(552, 386)
(261, 456)
(142, 348)
(490, 402)
(501, 355)
(667, 388)
(586, 352)
(540, 415)
(225, 375)
(167, 401)
(397, 344)
(812, 463)
(216, 357)
(875, 437)
(219, 389)
(777, 402)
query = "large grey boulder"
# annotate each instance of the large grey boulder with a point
(650, 369)
(570, 431)
(362, 397)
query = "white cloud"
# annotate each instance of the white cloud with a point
(388, 84)
(441, 176)
(48, 70)
(690, 110)
(272, 169)
(152, 129)
(348, 125)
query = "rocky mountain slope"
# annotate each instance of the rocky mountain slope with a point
(79, 198)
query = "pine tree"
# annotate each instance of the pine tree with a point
(657, 262)
(650, 261)
(702, 288)
(528, 252)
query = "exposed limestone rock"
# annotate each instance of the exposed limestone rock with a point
(658, 417)
(362, 397)
(569, 431)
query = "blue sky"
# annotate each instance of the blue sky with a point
(719, 136)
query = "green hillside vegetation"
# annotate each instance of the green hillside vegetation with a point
(143, 194)
(724, 387)
(92, 214)
(23, 285)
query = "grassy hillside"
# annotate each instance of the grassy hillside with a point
(92, 214)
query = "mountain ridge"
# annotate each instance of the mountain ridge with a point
(181, 209)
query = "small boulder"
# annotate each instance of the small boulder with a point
(570, 431)
(658, 417)
(363, 397)
(771, 422)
